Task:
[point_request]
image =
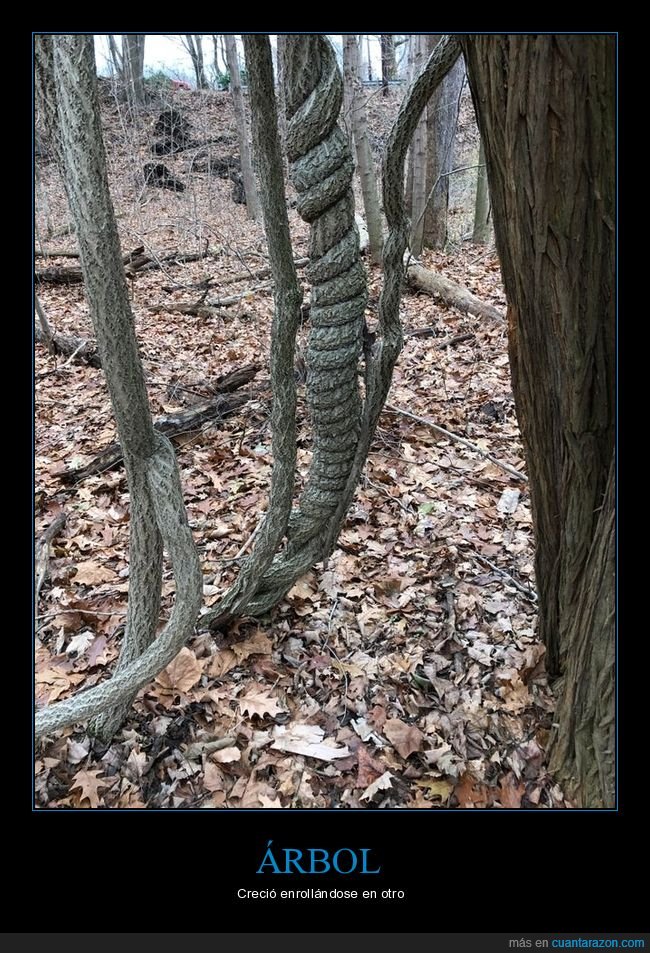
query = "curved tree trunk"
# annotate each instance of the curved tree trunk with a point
(545, 108)
(252, 201)
(67, 75)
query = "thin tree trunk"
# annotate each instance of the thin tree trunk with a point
(281, 110)
(442, 118)
(116, 58)
(252, 201)
(545, 107)
(365, 162)
(419, 160)
(481, 231)
(133, 67)
(195, 49)
(388, 70)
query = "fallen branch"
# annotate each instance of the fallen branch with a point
(69, 346)
(452, 436)
(42, 556)
(55, 253)
(452, 294)
(173, 425)
(529, 593)
(440, 345)
(260, 272)
(135, 262)
(225, 302)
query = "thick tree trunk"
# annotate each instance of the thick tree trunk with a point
(545, 108)
(252, 201)
(442, 117)
(133, 67)
(365, 162)
(481, 231)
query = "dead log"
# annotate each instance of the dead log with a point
(59, 276)
(55, 253)
(452, 294)
(135, 262)
(67, 345)
(172, 425)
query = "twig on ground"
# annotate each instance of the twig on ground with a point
(43, 551)
(529, 593)
(452, 436)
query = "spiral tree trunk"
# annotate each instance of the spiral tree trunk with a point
(343, 425)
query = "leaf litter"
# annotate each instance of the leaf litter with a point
(404, 673)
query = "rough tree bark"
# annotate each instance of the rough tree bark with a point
(116, 57)
(388, 67)
(281, 111)
(133, 67)
(418, 170)
(442, 118)
(545, 108)
(322, 170)
(481, 232)
(68, 74)
(252, 200)
(286, 320)
(365, 162)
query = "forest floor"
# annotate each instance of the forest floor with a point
(405, 672)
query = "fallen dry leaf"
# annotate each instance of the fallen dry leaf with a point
(471, 793)
(510, 791)
(89, 783)
(404, 738)
(181, 674)
(369, 768)
(381, 784)
(90, 573)
(226, 755)
(221, 663)
(259, 703)
(307, 740)
(258, 644)
(436, 787)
